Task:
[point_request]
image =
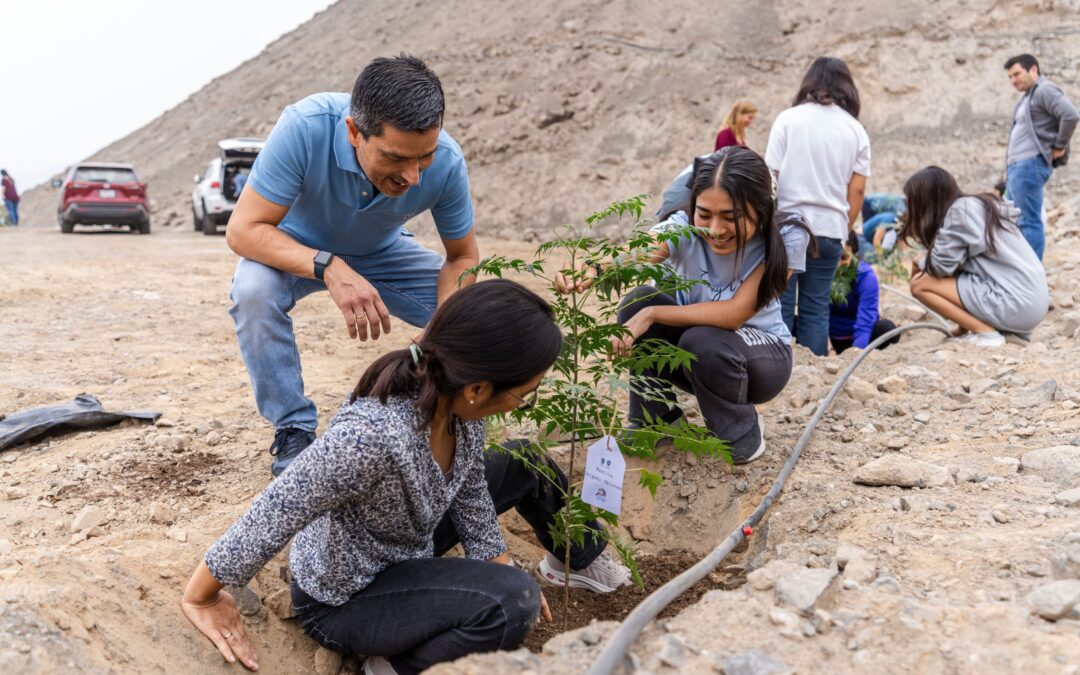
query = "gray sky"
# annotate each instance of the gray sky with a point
(78, 75)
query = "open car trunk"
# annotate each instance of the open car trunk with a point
(234, 175)
(238, 154)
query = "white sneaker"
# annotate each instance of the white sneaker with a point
(378, 665)
(604, 575)
(991, 339)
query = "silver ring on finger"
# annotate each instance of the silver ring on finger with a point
(227, 635)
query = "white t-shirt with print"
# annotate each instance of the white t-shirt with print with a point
(815, 149)
(691, 258)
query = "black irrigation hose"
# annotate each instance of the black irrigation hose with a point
(623, 638)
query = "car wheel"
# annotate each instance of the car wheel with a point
(143, 227)
(67, 226)
(209, 224)
(195, 219)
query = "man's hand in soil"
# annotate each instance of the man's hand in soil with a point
(220, 621)
(358, 301)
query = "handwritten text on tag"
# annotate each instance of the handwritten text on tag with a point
(604, 472)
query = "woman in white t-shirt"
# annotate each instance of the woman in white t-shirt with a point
(820, 154)
(740, 251)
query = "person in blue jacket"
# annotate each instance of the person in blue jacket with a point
(856, 321)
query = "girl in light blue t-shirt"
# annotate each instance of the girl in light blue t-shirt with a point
(742, 251)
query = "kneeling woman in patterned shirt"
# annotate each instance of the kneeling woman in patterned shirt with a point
(739, 251)
(399, 477)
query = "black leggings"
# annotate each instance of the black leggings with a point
(733, 371)
(880, 328)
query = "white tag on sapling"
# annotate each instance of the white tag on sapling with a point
(605, 469)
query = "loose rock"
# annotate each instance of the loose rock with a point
(672, 651)
(902, 471)
(804, 589)
(246, 600)
(327, 662)
(969, 473)
(1058, 464)
(1068, 497)
(919, 379)
(280, 603)
(87, 519)
(1054, 600)
(754, 662)
(764, 578)
(892, 385)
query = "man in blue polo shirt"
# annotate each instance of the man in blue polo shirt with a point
(324, 209)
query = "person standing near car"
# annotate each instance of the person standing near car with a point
(11, 197)
(1043, 122)
(331, 191)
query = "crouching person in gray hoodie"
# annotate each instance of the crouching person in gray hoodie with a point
(978, 270)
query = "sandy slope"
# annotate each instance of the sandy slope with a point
(561, 107)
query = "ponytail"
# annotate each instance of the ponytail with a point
(495, 331)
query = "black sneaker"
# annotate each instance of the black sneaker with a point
(751, 445)
(287, 446)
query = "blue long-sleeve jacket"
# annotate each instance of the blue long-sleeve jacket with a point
(856, 317)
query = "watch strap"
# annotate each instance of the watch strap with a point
(321, 260)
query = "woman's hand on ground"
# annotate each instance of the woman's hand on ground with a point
(545, 611)
(636, 325)
(220, 621)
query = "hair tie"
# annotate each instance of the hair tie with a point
(416, 352)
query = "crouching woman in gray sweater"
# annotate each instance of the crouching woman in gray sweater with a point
(979, 271)
(398, 478)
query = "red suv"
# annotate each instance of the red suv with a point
(98, 193)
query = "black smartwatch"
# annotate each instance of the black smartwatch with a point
(322, 259)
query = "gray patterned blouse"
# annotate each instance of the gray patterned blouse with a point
(365, 495)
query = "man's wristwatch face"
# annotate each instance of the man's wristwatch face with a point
(322, 259)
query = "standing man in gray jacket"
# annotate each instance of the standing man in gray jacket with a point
(1042, 124)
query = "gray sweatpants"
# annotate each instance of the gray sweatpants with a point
(733, 371)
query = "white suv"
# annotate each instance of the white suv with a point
(217, 190)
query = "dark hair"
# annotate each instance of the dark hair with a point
(929, 194)
(494, 331)
(1026, 61)
(828, 80)
(853, 242)
(399, 91)
(3, 172)
(742, 173)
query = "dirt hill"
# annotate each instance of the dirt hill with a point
(561, 107)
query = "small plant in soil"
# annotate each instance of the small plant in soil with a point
(580, 402)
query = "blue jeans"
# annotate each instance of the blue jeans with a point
(1024, 183)
(13, 211)
(809, 291)
(405, 274)
(871, 225)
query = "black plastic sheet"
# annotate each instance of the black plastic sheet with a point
(84, 412)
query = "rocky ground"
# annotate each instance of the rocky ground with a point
(931, 526)
(964, 560)
(565, 106)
